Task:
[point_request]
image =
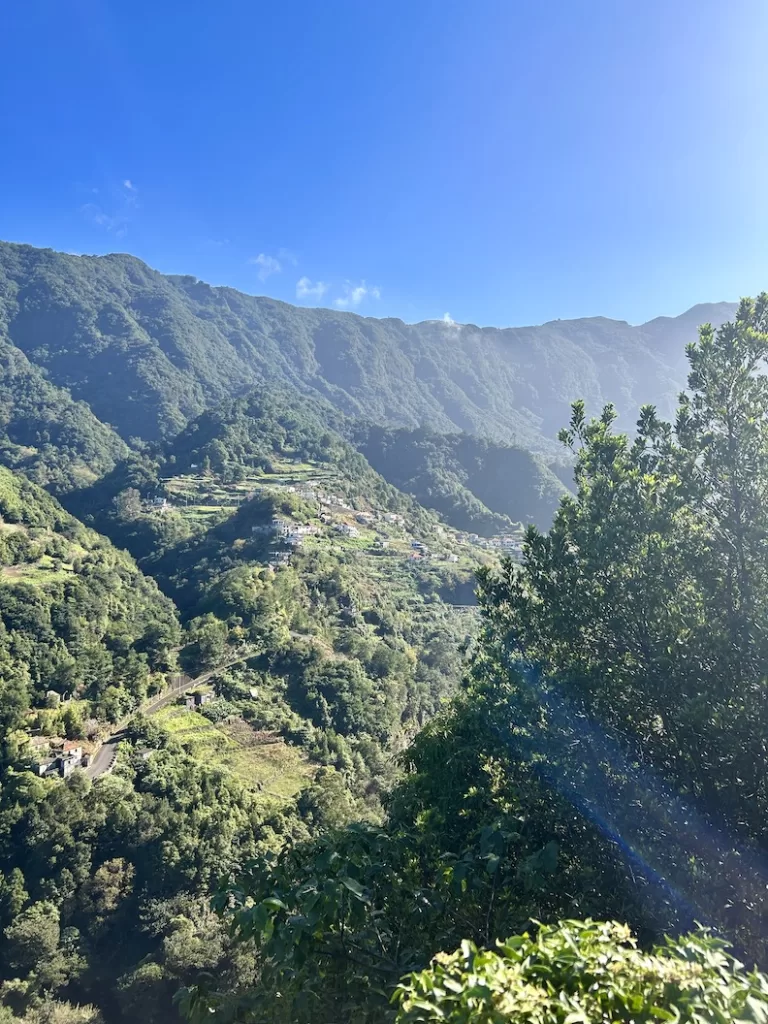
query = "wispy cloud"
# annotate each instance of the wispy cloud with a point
(305, 289)
(96, 215)
(448, 319)
(354, 294)
(114, 210)
(287, 257)
(267, 265)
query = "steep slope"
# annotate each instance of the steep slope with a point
(477, 485)
(76, 615)
(237, 442)
(246, 434)
(148, 352)
(56, 441)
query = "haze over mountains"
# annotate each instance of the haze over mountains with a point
(148, 352)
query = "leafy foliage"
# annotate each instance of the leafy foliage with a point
(97, 879)
(645, 606)
(584, 971)
(600, 763)
(604, 759)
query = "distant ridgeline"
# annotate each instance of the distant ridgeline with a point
(97, 352)
(149, 352)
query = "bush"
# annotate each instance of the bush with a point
(578, 972)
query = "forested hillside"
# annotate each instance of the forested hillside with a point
(148, 352)
(56, 441)
(476, 484)
(262, 756)
(311, 657)
(605, 760)
(79, 619)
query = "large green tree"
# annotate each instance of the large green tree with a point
(640, 618)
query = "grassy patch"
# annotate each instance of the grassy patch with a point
(40, 573)
(275, 769)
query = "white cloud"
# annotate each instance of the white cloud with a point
(355, 293)
(448, 319)
(305, 289)
(127, 183)
(267, 265)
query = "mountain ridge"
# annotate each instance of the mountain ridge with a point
(148, 352)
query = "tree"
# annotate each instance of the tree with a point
(723, 425)
(110, 885)
(13, 895)
(33, 937)
(72, 720)
(634, 635)
(128, 503)
(146, 993)
(51, 1011)
(209, 643)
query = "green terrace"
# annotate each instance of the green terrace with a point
(263, 762)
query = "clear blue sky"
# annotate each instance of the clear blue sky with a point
(504, 161)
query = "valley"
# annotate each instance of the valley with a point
(280, 666)
(383, 513)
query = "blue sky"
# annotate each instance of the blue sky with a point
(502, 161)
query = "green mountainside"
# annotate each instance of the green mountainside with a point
(316, 651)
(148, 352)
(477, 485)
(79, 618)
(56, 441)
(291, 704)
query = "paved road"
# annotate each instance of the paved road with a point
(105, 757)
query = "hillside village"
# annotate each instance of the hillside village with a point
(325, 513)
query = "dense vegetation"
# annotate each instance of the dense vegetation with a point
(311, 840)
(606, 760)
(235, 441)
(78, 619)
(57, 442)
(477, 485)
(247, 435)
(320, 673)
(314, 659)
(584, 972)
(149, 352)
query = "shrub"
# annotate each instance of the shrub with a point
(579, 972)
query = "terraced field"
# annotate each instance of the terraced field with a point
(265, 764)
